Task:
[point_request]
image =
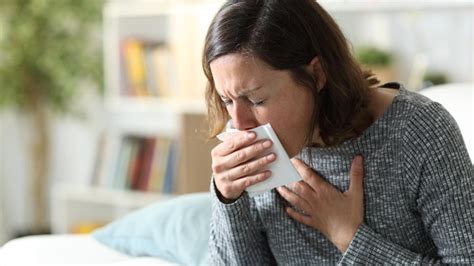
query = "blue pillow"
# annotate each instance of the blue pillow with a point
(176, 230)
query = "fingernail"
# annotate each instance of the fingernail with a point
(358, 159)
(271, 156)
(251, 135)
(267, 144)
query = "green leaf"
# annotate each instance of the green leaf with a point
(47, 51)
(372, 56)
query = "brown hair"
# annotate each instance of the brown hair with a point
(287, 35)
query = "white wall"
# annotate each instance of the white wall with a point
(445, 36)
(73, 149)
(74, 142)
(14, 142)
(2, 171)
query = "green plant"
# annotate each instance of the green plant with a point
(46, 57)
(435, 78)
(372, 56)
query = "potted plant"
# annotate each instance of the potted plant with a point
(46, 55)
(432, 78)
(379, 61)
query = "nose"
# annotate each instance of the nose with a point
(242, 116)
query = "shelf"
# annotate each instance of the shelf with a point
(106, 196)
(154, 105)
(144, 8)
(150, 116)
(176, 24)
(72, 205)
(140, 8)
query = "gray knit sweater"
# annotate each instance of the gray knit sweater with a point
(418, 199)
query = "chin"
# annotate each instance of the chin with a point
(291, 151)
(294, 150)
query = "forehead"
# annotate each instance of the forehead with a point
(236, 72)
(238, 60)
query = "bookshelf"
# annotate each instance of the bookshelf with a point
(153, 145)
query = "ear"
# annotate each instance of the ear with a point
(317, 70)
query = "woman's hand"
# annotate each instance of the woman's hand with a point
(234, 165)
(335, 214)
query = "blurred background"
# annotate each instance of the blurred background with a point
(101, 102)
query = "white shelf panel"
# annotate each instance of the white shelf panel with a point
(150, 116)
(143, 8)
(73, 204)
(106, 196)
(138, 8)
(155, 105)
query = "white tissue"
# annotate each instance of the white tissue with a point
(283, 171)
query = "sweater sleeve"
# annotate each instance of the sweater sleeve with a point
(236, 238)
(444, 189)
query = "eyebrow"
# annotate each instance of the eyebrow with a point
(249, 91)
(244, 92)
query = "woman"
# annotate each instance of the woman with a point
(387, 177)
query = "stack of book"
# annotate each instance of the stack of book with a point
(145, 164)
(147, 69)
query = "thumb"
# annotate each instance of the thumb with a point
(357, 175)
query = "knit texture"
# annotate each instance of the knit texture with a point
(418, 199)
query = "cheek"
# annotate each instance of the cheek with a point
(290, 128)
(292, 137)
(292, 125)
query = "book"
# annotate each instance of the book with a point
(148, 155)
(159, 165)
(150, 72)
(168, 186)
(134, 59)
(165, 72)
(135, 164)
(119, 179)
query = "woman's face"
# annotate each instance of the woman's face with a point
(255, 94)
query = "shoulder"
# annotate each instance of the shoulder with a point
(424, 128)
(426, 120)
(432, 142)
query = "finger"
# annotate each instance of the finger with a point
(308, 174)
(304, 219)
(237, 141)
(303, 189)
(226, 135)
(357, 175)
(220, 163)
(293, 198)
(245, 182)
(246, 154)
(251, 167)
(292, 185)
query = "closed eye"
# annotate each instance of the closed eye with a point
(257, 102)
(226, 101)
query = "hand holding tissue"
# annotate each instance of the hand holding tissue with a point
(283, 171)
